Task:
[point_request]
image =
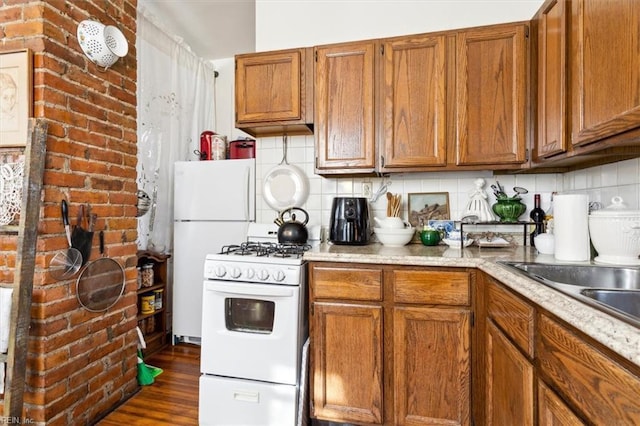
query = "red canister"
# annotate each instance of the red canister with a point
(206, 138)
(242, 148)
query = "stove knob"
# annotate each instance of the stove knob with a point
(236, 272)
(279, 275)
(220, 271)
(263, 274)
(250, 273)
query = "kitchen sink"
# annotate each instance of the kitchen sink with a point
(591, 276)
(627, 301)
(613, 290)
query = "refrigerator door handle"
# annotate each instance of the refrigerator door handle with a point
(247, 199)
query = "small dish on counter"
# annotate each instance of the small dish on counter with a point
(458, 243)
(495, 242)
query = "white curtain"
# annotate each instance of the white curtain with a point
(176, 102)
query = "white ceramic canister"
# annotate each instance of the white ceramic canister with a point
(615, 233)
(571, 227)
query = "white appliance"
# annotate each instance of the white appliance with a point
(254, 327)
(214, 201)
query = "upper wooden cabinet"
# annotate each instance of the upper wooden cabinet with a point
(423, 102)
(414, 102)
(552, 117)
(588, 82)
(345, 78)
(606, 68)
(274, 92)
(491, 104)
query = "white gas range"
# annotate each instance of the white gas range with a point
(254, 328)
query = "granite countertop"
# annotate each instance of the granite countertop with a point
(619, 336)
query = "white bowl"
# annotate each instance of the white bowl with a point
(390, 222)
(545, 243)
(395, 237)
(457, 244)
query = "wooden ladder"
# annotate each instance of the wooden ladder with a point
(20, 317)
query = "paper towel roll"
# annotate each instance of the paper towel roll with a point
(571, 227)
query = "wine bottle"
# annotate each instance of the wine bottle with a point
(537, 215)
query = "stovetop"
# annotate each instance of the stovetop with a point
(260, 259)
(265, 249)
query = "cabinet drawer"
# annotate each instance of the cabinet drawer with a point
(605, 391)
(352, 283)
(513, 315)
(431, 287)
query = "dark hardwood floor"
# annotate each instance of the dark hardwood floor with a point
(173, 397)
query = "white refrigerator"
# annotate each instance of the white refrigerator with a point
(214, 201)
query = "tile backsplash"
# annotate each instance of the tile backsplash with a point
(600, 183)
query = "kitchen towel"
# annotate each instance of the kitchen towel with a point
(571, 227)
(5, 317)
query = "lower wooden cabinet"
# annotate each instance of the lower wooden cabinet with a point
(348, 368)
(431, 366)
(397, 345)
(540, 371)
(552, 411)
(509, 384)
(390, 345)
(605, 391)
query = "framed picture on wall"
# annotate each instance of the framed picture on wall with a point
(426, 206)
(16, 88)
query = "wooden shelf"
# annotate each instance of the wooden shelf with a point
(155, 333)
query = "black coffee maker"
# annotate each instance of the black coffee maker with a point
(350, 221)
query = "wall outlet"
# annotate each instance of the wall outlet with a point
(366, 190)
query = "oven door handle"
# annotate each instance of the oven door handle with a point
(252, 290)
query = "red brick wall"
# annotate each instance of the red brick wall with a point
(80, 364)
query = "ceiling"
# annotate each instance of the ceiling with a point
(214, 29)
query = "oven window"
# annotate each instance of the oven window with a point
(249, 315)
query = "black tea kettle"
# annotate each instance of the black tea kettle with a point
(292, 231)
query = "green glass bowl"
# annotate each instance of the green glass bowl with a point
(509, 209)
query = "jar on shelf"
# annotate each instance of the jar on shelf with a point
(139, 269)
(151, 325)
(147, 303)
(147, 275)
(158, 298)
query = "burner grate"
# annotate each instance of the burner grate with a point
(266, 249)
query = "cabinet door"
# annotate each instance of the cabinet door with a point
(347, 362)
(604, 391)
(552, 79)
(274, 92)
(606, 68)
(552, 411)
(345, 76)
(509, 394)
(491, 95)
(414, 102)
(432, 366)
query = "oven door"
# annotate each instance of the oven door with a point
(252, 331)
